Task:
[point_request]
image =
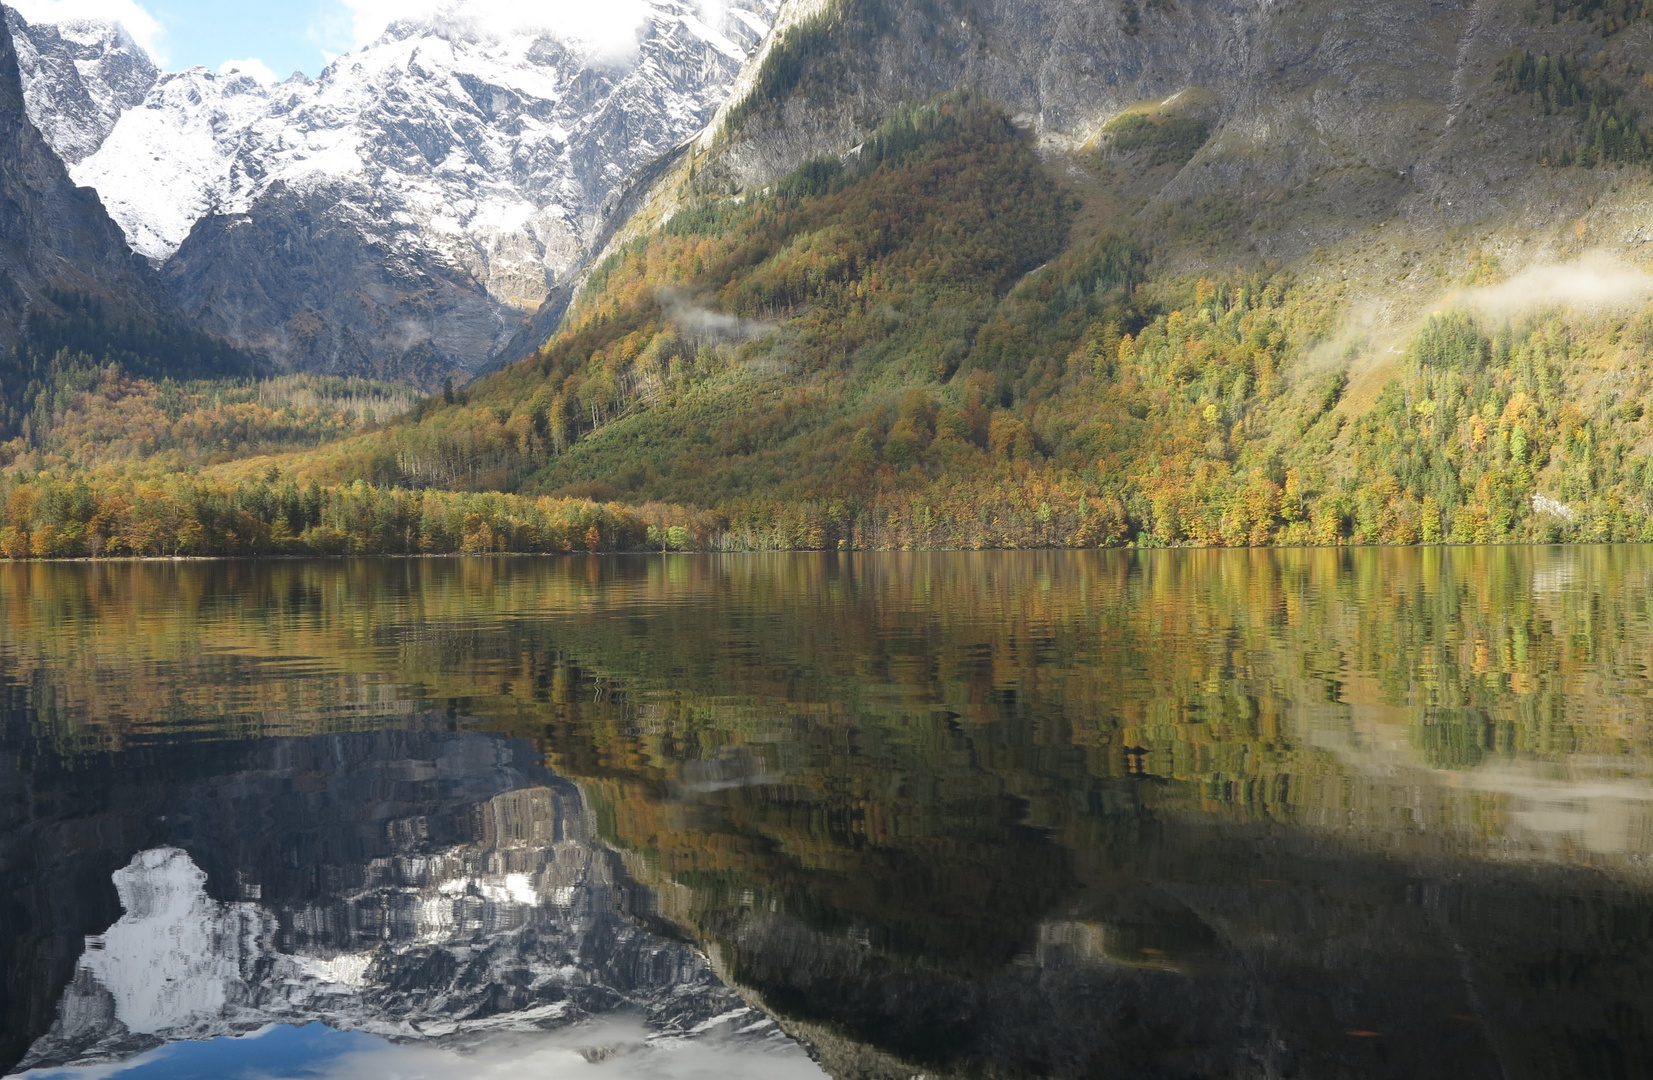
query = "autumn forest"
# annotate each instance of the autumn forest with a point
(927, 344)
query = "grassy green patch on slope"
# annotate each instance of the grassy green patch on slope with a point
(905, 348)
(909, 347)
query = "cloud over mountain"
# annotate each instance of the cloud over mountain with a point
(143, 26)
(612, 27)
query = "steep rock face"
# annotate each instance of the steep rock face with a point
(1368, 109)
(54, 236)
(310, 280)
(79, 76)
(475, 170)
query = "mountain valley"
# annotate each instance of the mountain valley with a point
(984, 274)
(403, 215)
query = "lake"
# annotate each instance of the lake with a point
(1320, 813)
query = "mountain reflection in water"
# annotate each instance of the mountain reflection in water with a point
(417, 884)
(1320, 814)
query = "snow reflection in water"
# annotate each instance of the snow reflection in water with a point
(512, 952)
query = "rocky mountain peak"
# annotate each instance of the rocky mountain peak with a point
(78, 77)
(55, 239)
(416, 203)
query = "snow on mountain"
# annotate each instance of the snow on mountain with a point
(168, 164)
(473, 170)
(55, 239)
(78, 78)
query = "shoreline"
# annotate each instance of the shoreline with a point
(1123, 549)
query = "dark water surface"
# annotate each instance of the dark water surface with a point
(1178, 814)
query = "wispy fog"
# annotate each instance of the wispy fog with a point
(1596, 280)
(695, 321)
(1371, 338)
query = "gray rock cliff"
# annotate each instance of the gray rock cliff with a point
(53, 235)
(79, 76)
(1323, 117)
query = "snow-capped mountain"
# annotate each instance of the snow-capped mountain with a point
(57, 246)
(404, 213)
(78, 78)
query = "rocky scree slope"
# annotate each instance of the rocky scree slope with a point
(405, 213)
(1317, 119)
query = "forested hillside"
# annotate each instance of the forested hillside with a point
(71, 332)
(900, 352)
(963, 328)
(109, 464)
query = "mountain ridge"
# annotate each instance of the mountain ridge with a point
(77, 109)
(415, 205)
(52, 233)
(1287, 193)
(1161, 275)
(71, 292)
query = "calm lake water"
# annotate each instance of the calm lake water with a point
(1112, 814)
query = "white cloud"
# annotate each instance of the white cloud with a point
(714, 12)
(258, 69)
(139, 23)
(609, 25)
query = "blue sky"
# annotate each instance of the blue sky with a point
(287, 35)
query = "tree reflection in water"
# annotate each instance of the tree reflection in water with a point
(1181, 813)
